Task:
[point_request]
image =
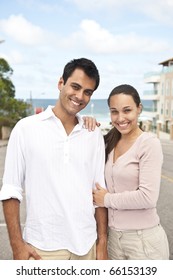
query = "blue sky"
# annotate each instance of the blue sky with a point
(126, 39)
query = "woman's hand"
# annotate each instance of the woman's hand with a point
(98, 195)
(90, 123)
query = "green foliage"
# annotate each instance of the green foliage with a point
(11, 109)
(7, 88)
(5, 70)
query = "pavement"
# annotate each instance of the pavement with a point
(3, 143)
(164, 206)
(164, 136)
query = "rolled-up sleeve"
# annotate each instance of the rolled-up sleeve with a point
(14, 169)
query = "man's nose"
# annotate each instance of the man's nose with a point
(79, 94)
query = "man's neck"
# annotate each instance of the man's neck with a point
(68, 121)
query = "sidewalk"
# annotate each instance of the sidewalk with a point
(164, 136)
(164, 206)
(3, 143)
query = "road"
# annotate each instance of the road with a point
(165, 202)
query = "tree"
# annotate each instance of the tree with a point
(6, 86)
(11, 109)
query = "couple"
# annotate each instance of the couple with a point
(58, 160)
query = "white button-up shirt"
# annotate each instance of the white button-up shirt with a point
(58, 172)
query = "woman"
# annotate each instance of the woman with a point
(132, 172)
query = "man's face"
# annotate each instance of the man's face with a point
(75, 94)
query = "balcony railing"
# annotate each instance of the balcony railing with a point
(167, 69)
(150, 92)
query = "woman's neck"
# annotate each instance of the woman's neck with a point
(131, 136)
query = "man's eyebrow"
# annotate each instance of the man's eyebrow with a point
(75, 84)
(87, 89)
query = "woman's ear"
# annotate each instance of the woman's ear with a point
(140, 109)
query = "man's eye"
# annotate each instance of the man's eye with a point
(75, 87)
(88, 93)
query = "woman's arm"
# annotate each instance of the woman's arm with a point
(146, 194)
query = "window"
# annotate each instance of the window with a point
(167, 87)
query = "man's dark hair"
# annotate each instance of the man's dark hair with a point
(84, 64)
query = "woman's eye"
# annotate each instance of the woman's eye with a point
(114, 112)
(127, 110)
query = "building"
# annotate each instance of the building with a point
(158, 102)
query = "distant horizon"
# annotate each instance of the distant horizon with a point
(90, 100)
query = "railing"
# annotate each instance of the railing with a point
(152, 74)
(150, 92)
(167, 69)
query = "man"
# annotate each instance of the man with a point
(57, 161)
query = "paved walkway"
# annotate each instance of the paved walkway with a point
(165, 205)
(3, 143)
(164, 136)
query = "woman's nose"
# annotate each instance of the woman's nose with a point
(121, 117)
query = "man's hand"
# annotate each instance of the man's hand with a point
(25, 252)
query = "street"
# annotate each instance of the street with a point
(165, 203)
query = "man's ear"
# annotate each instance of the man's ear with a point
(60, 84)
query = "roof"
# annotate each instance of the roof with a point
(166, 62)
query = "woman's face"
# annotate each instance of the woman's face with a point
(124, 113)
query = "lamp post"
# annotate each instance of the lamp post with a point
(92, 109)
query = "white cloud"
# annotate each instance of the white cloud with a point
(22, 30)
(120, 36)
(93, 38)
(99, 40)
(16, 57)
(90, 36)
(40, 5)
(97, 4)
(13, 57)
(159, 10)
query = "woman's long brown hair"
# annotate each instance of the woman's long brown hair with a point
(113, 136)
(111, 139)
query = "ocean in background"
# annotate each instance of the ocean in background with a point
(96, 107)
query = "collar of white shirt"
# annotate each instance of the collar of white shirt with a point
(48, 113)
